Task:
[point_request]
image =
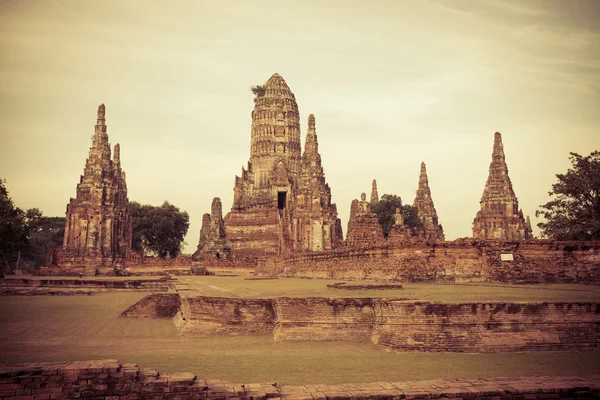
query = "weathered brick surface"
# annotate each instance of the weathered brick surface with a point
(281, 201)
(534, 261)
(426, 212)
(65, 285)
(486, 327)
(500, 216)
(221, 315)
(157, 305)
(109, 379)
(399, 324)
(98, 219)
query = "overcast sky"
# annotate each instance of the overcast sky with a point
(391, 84)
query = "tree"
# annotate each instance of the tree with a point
(43, 234)
(574, 211)
(13, 230)
(258, 90)
(160, 230)
(386, 209)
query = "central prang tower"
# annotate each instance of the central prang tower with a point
(281, 202)
(275, 135)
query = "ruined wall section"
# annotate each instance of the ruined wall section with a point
(537, 261)
(213, 241)
(486, 327)
(110, 379)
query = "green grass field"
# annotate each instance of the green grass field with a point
(55, 328)
(237, 286)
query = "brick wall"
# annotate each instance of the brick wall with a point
(222, 315)
(111, 380)
(462, 260)
(486, 327)
(157, 305)
(400, 324)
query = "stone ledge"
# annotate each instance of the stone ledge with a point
(108, 379)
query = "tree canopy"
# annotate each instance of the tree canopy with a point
(385, 209)
(159, 230)
(573, 213)
(26, 236)
(13, 230)
(43, 234)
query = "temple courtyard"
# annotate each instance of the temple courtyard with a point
(62, 328)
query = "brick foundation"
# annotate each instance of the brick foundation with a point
(110, 379)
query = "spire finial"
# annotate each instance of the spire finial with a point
(311, 121)
(101, 114)
(374, 194)
(498, 146)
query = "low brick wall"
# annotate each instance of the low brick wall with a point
(323, 319)
(111, 380)
(462, 260)
(398, 324)
(225, 315)
(157, 305)
(486, 327)
(66, 285)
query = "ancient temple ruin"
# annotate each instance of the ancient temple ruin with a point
(281, 201)
(364, 229)
(98, 219)
(431, 229)
(213, 243)
(500, 216)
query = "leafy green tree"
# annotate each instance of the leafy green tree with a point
(13, 230)
(385, 209)
(44, 234)
(574, 211)
(159, 230)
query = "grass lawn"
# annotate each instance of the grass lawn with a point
(55, 328)
(238, 286)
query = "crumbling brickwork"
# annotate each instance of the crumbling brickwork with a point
(500, 216)
(110, 379)
(431, 229)
(535, 261)
(98, 219)
(213, 242)
(364, 230)
(281, 201)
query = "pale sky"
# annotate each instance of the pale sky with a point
(391, 84)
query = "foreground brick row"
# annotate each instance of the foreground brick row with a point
(111, 380)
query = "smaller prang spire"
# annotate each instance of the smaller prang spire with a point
(374, 194)
(117, 154)
(499, 216)
(425, 208)
(311, 145)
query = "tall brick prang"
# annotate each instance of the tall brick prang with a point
(432, 230)
(281, 202)
(499, 216)
(98, 219)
